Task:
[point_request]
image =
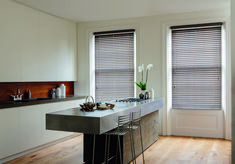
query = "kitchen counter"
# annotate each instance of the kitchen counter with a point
(35, 101)
(101, 121)
(23, 128)
(98, 121)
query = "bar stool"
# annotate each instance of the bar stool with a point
(135, 124)
(126, 123)
(124, 126)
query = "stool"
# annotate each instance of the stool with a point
(124, 126)
(135, 124)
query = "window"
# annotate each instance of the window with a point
(114, 64)
(196, 66)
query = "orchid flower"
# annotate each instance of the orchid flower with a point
(141, 84)
(141, 68)
(149, 66)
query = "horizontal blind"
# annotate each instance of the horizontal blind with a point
(196, 67)
(114, 64)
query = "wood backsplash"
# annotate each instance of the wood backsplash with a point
(38, 89)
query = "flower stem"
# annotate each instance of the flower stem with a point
(142, 76)
(146, 77)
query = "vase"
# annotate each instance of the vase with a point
(144, 94)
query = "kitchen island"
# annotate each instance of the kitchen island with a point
(99, 122)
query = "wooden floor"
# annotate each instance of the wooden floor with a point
(167, 150)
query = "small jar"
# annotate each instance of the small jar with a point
(58, 92)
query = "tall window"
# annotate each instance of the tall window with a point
(114, 64)
(196, 66)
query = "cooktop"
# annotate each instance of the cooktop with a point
(131, 100)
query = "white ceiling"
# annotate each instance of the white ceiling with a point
(95, 10)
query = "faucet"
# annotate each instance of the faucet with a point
(18, 96)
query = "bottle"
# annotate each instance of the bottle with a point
(53, 91)
(63, 93)
(151, 91)
(29, 94)
(58, 92)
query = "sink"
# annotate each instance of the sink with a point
(12, 103)
(19, 101)
(33, 99)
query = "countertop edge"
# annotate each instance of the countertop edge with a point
(76, 121)
(37, 102)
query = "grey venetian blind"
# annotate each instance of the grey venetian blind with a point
(114, 64)
(196, 66)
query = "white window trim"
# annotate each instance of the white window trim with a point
(91, 43)
(226, 73)
(92, 62)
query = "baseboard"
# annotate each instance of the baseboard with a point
(9, 158)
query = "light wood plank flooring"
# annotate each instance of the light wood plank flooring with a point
(167, 150)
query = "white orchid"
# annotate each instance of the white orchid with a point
(149, 66)
(142, 85)
(141, 68)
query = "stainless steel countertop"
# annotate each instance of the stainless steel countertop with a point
(98, 122)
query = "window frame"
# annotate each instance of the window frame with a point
(170, 39)
(92, 57)
(167, 112)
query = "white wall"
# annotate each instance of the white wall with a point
(233, 76)
(35, 46)
(151, 45)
